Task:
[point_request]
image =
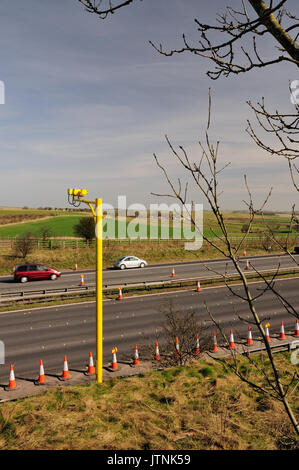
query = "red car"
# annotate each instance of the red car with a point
(29, 272)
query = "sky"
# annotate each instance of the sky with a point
(88, 102)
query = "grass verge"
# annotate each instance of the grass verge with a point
(200, 406)
(85, 257)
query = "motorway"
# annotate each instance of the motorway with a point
(50, 332)
(197, 269)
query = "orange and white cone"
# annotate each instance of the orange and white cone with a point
(114, 365)
(197, 350)
(177, 347)
(215, 345)
(76, 267)
(91, 368)
(173, 273)
(267, 334)
(282, 333)
(120, 294)
(157, 352)
(297, 328)
(249, 337)
(247, 264)
(244, 254)
(42, 378)
(65, 373)
(136, 361)
(198, 286)
(12, 381)
(82, 283)
(231, 340)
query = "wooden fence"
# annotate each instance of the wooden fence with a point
(77, 243)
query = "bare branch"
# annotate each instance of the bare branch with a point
(103, 8)
(240, 31)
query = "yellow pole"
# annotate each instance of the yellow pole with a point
(97, 212)
(99, 289)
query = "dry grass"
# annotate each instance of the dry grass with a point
(66, 258)
(200, 406)
(152, 251)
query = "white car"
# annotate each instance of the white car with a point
(130, 262)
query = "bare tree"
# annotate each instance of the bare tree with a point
(205, 175)
(46, 232)
(24, 244)
(237, 30)
(85, 228)
(181, 337)
(285, 129)
(235, 45)
(181, 333)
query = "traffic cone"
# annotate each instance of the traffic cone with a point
(231, 340)
(249, 337)
(197, 350)
(267, 334)
(120, 294)
(247, 264)
(12, 381)
(244, 254)
(136, 361)
(177, 347)
(76, 267)
(65, 373)
(297, 328)
(215, 347)
(114, 365)
(281, 333)
(91, 368)
(173, 273)
(82, 280)
(157, 352)
(198, 286)
(41, 379)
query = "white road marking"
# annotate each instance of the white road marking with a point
(135, 296)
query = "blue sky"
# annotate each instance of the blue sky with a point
(88, 102)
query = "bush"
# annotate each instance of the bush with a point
(244, 228)
(85, 228)
(24, 244)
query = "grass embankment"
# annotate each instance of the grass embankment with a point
(200, 406)
(66, 258)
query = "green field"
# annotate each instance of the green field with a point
(61, 224)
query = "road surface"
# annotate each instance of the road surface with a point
(162, 272)
(49, 333)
